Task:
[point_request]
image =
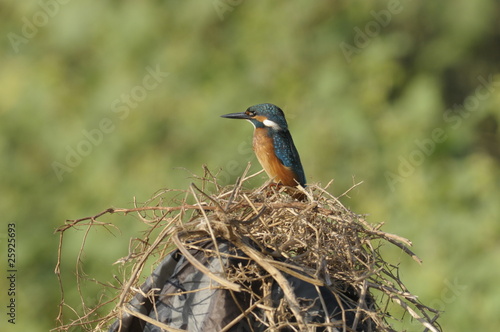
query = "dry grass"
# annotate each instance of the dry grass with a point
(316, 239)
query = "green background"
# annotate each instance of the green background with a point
(402, 95)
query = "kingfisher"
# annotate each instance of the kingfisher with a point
(273, 144)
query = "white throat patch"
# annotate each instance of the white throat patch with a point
(272, 124)
(251, 123)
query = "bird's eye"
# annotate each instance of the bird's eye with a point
(251, 113)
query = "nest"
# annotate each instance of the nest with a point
(268, 244)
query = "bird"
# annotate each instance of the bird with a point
(273, 144)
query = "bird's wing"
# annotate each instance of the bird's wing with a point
(287, 153)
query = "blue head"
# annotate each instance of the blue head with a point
(262, 116)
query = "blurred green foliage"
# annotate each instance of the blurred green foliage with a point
(402, 95)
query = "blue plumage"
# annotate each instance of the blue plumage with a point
(287, 153)
(273, 143)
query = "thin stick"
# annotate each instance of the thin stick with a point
(201, 267)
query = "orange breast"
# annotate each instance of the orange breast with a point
(264, 150)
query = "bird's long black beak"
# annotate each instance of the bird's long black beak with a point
(241, 115)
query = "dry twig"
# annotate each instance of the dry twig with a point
(319, 241)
